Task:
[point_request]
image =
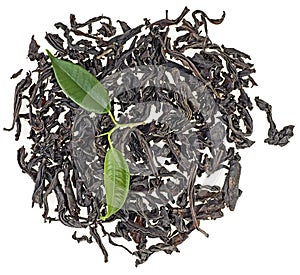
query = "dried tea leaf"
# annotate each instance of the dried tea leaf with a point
(275, 137)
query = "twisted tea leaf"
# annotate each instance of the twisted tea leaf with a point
(81, 86)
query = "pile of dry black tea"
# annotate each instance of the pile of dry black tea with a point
(190, 93)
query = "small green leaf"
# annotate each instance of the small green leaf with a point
(81, 86)
(116, 181)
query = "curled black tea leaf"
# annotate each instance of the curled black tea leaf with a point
(82, 238)
(15, 75)
(275, 137)
(231, 186)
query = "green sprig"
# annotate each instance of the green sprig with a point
(84, 89)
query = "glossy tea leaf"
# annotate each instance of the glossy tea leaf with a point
(116, 181)
(81, 86)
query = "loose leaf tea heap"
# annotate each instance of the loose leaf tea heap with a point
(196, 89)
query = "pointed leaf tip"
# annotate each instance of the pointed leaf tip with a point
(80, 85)
(116, 181)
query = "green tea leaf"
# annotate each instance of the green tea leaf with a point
(116, 181)
(80, 85)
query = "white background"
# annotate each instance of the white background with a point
(261, 237)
